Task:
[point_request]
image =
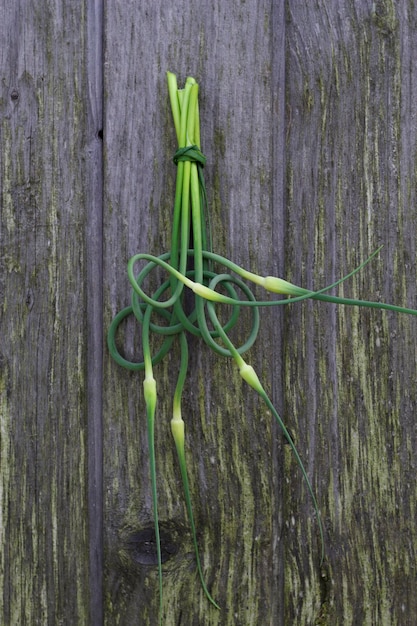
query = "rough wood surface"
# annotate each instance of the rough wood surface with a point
(350, 374)
(309, 128)
(44, 556)
(229, 442)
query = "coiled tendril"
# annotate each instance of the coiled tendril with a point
(191, 265)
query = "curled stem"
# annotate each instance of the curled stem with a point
(189, 265)
(178, 433)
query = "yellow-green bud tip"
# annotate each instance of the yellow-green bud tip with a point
(149, 391)
(177, 429)
(250, 376)
(206, 292)
(279, 285)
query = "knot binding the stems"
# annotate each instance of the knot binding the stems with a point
(190, 153)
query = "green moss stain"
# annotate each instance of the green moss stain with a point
(5, 464)
(8, 213)
(384, 15)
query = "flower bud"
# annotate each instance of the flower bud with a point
(149, 390)
(279, 285)
(207, 293)
(250, 376)
(177, 429)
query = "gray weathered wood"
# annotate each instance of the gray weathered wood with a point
(309, 128)
(228, 47)
(94, 300)
(350, 374)
(44, 526)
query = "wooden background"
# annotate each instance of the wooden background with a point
(309, 120)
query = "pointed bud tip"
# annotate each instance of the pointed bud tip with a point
(149, 390)
(250, 376)
(279, 285)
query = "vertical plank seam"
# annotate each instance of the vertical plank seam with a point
(95, 326)
(278, 138)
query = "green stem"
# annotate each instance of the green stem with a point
(175, 106)
(214, 296)
(189, 264)
(177, 428)
(249, 375)
(149, 390)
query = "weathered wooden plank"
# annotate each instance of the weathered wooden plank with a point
(44, 560)
(227, 47)
(94, 299)
(350, 375)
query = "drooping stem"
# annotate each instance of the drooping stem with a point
(149, 392)
(178, 433)
(189, 264)
(250, 377)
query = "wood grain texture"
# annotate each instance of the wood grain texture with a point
(44, 559)
(229, 440)
(309, 127)
(94, 299)
(350, 374)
